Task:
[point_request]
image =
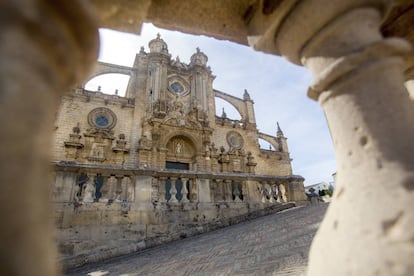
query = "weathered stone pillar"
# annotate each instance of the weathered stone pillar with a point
(173, 191)
(358, 80)
(46, 46)
(161, 189)
(228, 192)
(184, 190)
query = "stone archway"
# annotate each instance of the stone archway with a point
(181, 149)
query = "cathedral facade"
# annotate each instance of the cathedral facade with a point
(158, 164)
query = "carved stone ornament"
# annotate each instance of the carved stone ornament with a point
(102, 118)
(235, 140)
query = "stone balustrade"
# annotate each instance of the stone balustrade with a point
(94, 184)
(140, 207)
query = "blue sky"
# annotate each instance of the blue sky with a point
(277, 87)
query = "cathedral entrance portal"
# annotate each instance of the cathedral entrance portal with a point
(180, 153)
(180, 156)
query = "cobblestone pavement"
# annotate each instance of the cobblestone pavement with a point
(276, 244)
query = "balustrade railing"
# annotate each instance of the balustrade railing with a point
(100, 188)
(272, 192)
(109, 185)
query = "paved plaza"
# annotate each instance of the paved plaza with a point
(276, 244)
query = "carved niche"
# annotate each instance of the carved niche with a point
(180, 149)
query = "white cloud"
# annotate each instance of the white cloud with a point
(277, 87)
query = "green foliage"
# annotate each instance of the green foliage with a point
(329, 192)
(325, 192)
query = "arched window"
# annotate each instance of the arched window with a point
(110, 83)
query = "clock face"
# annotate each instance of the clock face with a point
(177, 87)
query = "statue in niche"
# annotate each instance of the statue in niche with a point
(178, 148)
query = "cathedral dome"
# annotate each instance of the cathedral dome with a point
(199, 58)
(158, 45)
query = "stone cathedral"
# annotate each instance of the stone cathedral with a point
(158, 164)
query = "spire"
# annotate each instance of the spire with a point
(246, 95)
(279, 132)
(223, 114)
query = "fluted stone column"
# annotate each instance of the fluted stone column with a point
(358, 80)
(46, 46)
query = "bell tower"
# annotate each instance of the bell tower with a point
(201, 85)
(158, 60)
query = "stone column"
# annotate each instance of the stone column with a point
(46, 46)
(358, 80)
